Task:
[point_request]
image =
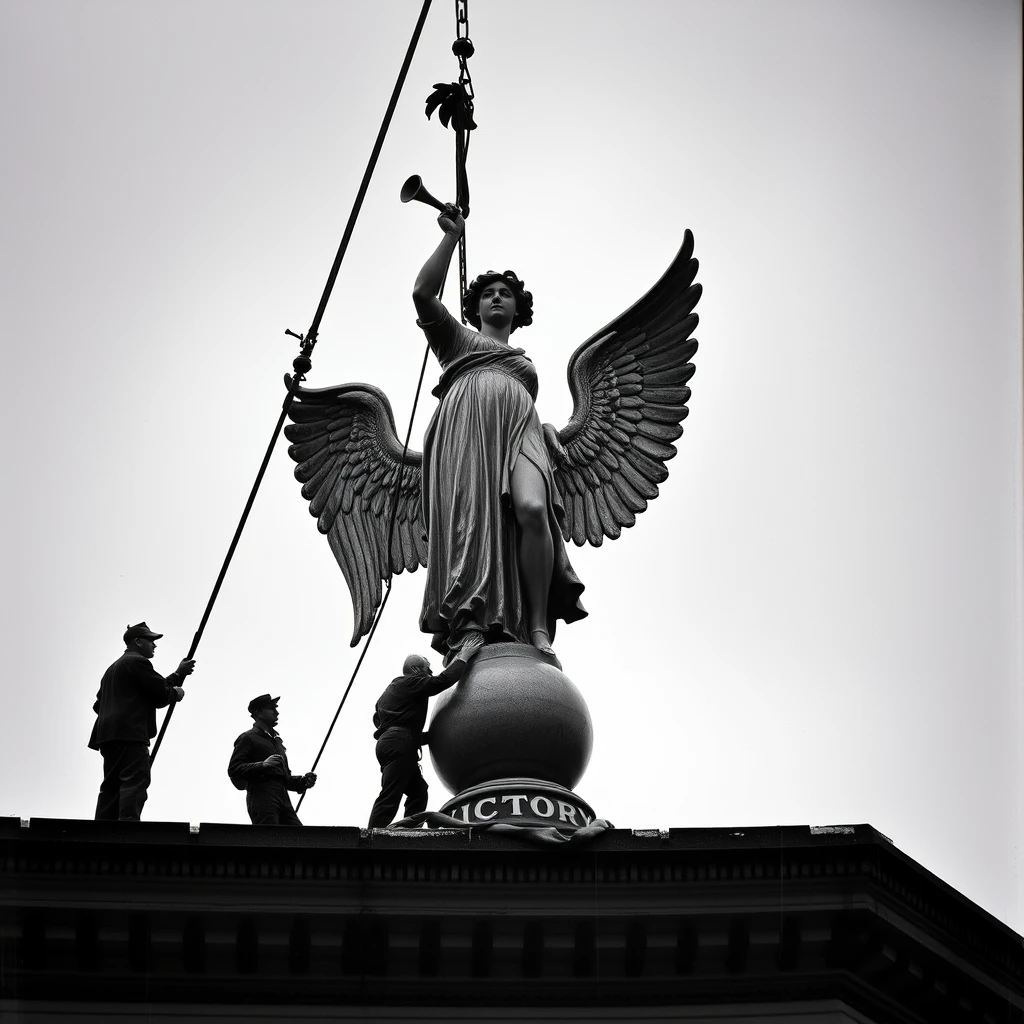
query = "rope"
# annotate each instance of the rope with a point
(302, 362)
(387, 593)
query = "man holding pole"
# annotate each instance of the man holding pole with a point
(130, 692)
(259, 765)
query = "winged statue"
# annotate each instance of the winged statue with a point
(488, 505)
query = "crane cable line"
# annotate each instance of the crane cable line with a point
(302, 362)
(387, 586)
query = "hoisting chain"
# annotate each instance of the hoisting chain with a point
(463, 49)
(454, 104)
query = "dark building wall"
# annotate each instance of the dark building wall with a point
(152, 921)
(815, 1012)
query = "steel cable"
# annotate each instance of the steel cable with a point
(302, 362)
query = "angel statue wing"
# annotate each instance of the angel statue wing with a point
(628, 383)
(352, 469)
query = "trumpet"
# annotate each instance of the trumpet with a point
(414, 189)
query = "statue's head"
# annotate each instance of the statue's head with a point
(416, 665)
(475, 292)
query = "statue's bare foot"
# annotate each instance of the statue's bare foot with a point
(542, 641)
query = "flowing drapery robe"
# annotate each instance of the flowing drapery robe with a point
(484, 422)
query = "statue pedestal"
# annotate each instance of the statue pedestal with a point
(520, 802)
(512, 739)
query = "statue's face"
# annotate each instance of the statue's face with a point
(497, 304)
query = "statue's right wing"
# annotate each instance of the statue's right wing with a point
(351, 465)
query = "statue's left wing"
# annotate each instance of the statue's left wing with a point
(628, 383)
(351, 466)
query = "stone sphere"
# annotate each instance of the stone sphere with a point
(512, 715)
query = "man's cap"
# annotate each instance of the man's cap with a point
(140, 629)
(260, 702)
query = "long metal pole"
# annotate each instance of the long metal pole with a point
(302, 361)
(371, 164)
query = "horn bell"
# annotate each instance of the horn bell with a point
(413, 189)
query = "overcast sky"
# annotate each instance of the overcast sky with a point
(819, 620)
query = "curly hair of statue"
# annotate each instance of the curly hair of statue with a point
(524, 299)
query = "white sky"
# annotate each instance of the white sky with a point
(819, 621)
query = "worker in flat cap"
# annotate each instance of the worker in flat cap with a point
(130, 692)
(259, 765)
(398, 718)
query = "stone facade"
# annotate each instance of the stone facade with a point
(155, 922)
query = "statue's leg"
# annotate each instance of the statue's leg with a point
(536, 549)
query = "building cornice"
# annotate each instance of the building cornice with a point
(336, 913)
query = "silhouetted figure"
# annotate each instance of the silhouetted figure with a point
(399, 717)
(259, 765)
(130, 692)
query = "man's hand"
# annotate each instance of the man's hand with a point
(186, 666)
(274, 761)
(177, 694)
(310, 778)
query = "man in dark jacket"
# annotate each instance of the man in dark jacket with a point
(259, 765)
(130, 692)
(399, 718)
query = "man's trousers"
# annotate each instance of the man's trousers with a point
(398, 757)
(125, 781)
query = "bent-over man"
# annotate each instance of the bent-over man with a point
(130, 692)
(399, 717)
(259, 765)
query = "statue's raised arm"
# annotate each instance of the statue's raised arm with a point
(431, 277)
